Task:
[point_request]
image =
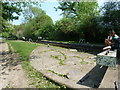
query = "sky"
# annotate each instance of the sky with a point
(48, 7)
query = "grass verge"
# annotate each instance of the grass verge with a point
(37, 79)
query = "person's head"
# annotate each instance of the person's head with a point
(112, 33)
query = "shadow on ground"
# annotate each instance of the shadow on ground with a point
(94, 77)
(1, 42)
(7, 60)
(94, 52)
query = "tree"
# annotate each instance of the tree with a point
(31, 12)
(79, 10)
(8, 8)
(111, 16)
(8, 11)
(65, 29)
(19, 29)
(83, 14)
(38, 23)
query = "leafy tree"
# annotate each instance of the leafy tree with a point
(65, 29)
(8, 8)
(83, 15)
(79, 10)
(29, 30)
(8, 31)
(111, 14)
(31, 12)
(38, 23)
(8, 11)
(19, 29)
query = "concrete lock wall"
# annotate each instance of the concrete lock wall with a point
(107, 58)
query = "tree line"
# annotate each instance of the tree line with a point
(81, 20)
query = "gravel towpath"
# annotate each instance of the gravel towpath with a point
(11, 73)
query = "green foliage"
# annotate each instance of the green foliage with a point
(6, 14)
(10, 7)
(65, 25)
(7, 30)
(29, 29)
(86, 17)
(80, 19)
(30, 12)
(38, 24)
(82, 15)
(5, 34)
(90, 29)
(18, 30)
(43, 25)
(10, 48)
(79, 10)
(61, 75)
(23, 48)
(57, 58)
(83, 60)
(111, 14)
(65, 29)
(10, 11)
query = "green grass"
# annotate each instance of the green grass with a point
(61, 75)
(57, 58)
(24, 49)
(10, 48)
(83, 61)
(65, 57)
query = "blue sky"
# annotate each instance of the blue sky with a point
(50, 10)
(48, 6)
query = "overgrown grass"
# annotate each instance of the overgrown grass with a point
(37, 79)
(23, 48)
